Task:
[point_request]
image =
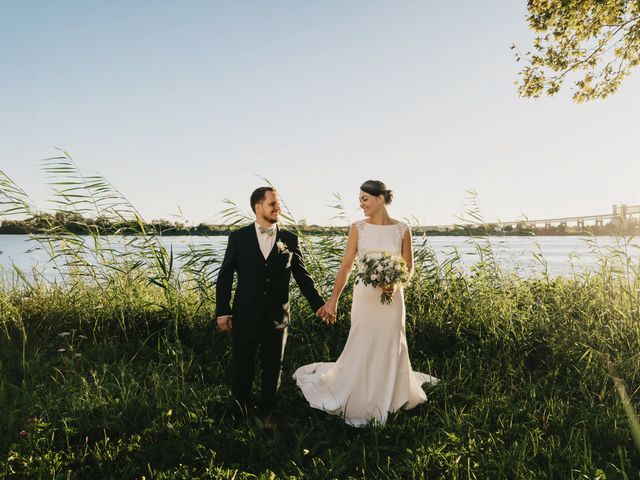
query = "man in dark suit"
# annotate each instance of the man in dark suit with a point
(263, 256)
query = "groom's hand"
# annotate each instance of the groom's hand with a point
(224, 323)
(321, 314)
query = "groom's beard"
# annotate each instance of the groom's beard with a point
(271, 220)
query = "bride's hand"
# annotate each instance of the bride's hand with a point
(389, 290)
(331, 310)
(333, 315)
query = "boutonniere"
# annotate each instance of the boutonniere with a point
(282, 248)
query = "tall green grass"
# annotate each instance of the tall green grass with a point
(117, 371)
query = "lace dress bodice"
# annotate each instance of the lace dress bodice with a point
(375, 239)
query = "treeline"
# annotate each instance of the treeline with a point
(75, 223)
(628, 227)
(80, 225)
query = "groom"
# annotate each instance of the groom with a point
(263, 257)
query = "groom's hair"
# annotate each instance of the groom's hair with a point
(258, 196)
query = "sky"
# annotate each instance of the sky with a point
(183, 104)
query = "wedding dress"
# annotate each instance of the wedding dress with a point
(373, 375)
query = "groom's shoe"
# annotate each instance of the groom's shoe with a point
(270, 422)
(269, 417)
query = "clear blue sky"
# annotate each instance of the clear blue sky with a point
(182, 103)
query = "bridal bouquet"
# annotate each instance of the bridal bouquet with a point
(383, 271)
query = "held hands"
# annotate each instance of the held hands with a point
(327, 312)
(224, 323)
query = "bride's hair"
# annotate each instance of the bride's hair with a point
(376, 187)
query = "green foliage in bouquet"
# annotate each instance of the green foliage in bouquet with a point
(382, 271)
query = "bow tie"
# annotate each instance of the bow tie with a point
(269, 231)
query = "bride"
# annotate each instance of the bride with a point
(373, 375)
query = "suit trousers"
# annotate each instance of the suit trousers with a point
(270, 342)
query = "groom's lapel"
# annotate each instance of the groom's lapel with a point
(275, 244)
(256, 243)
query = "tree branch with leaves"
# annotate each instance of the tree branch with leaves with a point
(595, 42)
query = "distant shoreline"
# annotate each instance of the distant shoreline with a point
(62, 223)
(416, 232)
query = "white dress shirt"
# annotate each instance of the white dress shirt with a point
(265, 240)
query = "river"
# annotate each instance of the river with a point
(562, 254)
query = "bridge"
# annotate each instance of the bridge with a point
(620, 215)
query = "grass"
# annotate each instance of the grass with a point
(97, 384)
(118, 372)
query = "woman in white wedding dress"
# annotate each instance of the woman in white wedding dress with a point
(373, 375)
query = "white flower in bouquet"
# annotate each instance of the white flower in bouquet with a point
(383, 271)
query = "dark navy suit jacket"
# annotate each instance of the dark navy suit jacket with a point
(261, 297)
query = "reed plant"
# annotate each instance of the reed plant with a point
(115, 368)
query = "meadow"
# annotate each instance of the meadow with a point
(118, 371)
